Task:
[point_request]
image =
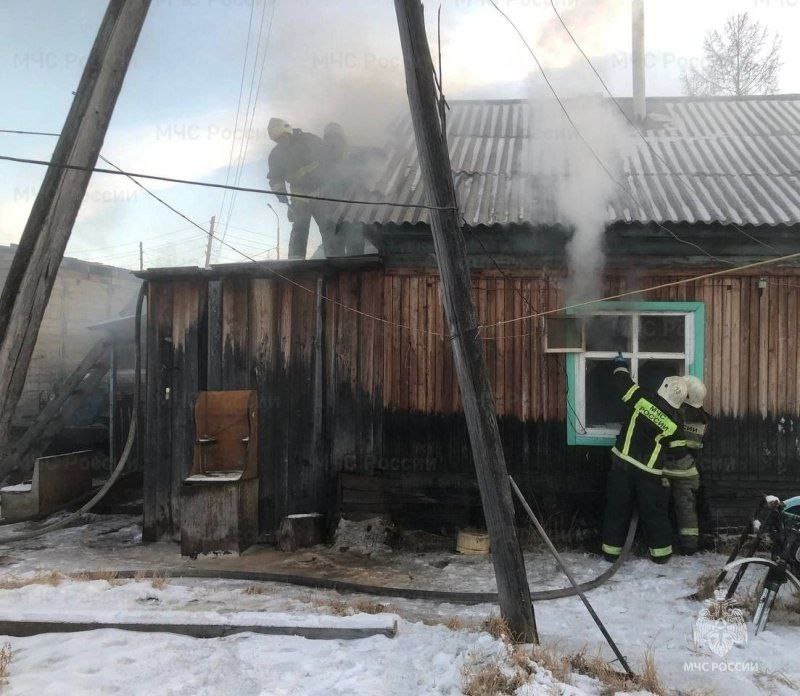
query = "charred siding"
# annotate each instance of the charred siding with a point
(346, 399)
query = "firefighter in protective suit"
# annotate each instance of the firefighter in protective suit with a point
(681, 470)
(650, 423)
(300, 159)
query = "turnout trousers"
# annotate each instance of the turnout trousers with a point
(630, 487)
(684, 481)
(337, 240)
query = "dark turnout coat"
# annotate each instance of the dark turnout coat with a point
(299, 160)
(650, 425)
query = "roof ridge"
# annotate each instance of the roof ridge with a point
(788, 96)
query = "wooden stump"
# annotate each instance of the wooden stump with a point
(300, 531)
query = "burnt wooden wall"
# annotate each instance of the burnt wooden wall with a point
(343, 397)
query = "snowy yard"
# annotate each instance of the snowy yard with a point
(437, 644)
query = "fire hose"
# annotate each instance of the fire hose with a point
(466, 598)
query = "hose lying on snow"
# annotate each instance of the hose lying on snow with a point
(756, 560)
(126, 452)
(301, 580)
(345, 586)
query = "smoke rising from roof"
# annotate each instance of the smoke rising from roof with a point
(566, 175)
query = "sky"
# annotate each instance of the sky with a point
(322, 61)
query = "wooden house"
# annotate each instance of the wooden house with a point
(350, 360)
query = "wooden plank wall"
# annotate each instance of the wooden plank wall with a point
(751, 370)
(267, 331)
(751, 341)
(389, 396)
(176, 370)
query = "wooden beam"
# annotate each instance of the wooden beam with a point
(473, 377)
(24, 628)
(81, 383)
(33, 271)
(322, 489)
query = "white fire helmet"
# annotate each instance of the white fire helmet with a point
(673, 390)
(277, 127)
(696, 391)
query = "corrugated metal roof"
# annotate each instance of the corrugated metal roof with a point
(727, 161)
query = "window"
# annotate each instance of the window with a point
(564, 335)
(658, 339)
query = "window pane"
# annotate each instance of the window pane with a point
(653, 372)
(662, 334)
(603, 404)
(609, 333)
(564, 333)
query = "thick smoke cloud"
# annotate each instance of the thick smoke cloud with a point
(574, 188)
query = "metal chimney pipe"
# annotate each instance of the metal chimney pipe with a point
(638, 60)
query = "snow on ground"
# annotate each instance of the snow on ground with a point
(421, 659)
(644, 607)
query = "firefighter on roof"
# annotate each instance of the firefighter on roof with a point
(300, 160)
(650, 423)
(681, 466)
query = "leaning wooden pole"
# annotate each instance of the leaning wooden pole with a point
(473, 377)
(41, 249)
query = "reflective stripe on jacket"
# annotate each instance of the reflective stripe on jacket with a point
(651, 425)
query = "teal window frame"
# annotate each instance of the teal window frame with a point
(697, 310)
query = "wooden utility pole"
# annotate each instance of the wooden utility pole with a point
(473, 377)
(210, 240)
(41, 249)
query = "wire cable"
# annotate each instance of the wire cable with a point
(251, 258)
(652, 288)
(245, 144)
(211, 184)
(661, 286)
(653, 151)
(238, 106)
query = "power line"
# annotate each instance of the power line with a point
(245, 144)
(639, 132)
(118, 171)
(238, 104)
(125, 244)
(661, 286)
(223, 242)
(27, 132)
(209, 184)
(684, 281)
(589, 146)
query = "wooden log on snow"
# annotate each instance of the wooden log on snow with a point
(300, 531)
(25, 628)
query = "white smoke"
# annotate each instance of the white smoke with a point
(572, 188)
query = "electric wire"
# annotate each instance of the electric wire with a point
(214, 185)
(238, 106)
(119, 170)
(272, 270)
(661, 286)
(126, 244)
(589, 146)
(680, 177)
(245, 144)
(652, 288)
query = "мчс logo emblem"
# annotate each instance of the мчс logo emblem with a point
(720, 625)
